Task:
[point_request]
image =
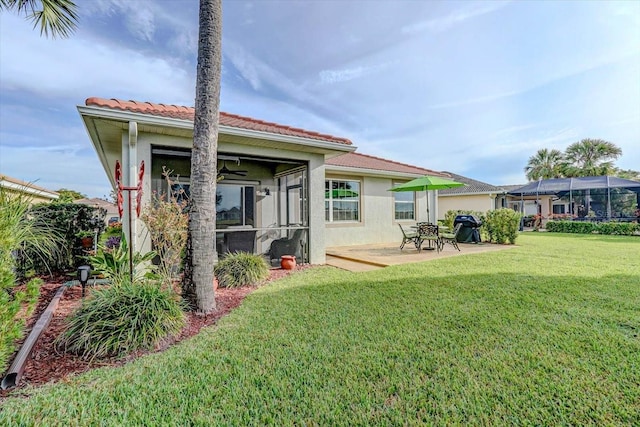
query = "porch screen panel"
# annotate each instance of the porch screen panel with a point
(342, 201)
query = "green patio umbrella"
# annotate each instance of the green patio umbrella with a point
(426, 183)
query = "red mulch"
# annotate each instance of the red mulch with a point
(47, 364)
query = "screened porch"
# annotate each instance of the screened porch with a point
(259, 201)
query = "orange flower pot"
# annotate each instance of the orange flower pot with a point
(288, 262)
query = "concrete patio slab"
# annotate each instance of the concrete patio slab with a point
(385, 254)
(351, 265)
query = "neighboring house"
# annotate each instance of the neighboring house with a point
(111, 208)
(528, 205)
(475, 195)
(35, 193)
(276, 179)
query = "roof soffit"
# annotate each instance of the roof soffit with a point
(105, 122)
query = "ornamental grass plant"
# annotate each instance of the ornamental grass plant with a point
(120, 319)
(20, 234)
(240, 269)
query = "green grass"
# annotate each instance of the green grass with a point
(547, 333)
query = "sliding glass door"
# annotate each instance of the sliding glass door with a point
(235, 205)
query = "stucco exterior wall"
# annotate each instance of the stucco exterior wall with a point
(480, 203)
(377, 223)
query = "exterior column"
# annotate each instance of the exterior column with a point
(317, 242)
(129, 179)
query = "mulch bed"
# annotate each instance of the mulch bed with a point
(47, 364)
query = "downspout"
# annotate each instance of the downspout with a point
(14, 374)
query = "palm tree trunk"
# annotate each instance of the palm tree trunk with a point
(201, 250)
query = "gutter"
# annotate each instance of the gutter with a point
(350, 170)
(480, 193)
(28, 190)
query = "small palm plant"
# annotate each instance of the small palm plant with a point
(113, 262)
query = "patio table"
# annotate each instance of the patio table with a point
(429, 248)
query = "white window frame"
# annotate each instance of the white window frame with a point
(330, 200)
(395, 202)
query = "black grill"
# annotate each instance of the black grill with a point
(469, 231)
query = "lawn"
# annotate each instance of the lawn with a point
(544, 334)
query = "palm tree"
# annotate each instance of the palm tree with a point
(201, 249)
(545, 164)
(627, 174)
(55, 17)
(591, 157)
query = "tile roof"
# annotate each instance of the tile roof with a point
(96, 202)
(473, 186)
(27, 185)
(364, 161)
(226, 119)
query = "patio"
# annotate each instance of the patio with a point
(374, 256)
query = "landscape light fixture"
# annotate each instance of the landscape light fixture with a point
(84, 271)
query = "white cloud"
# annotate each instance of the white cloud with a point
(79, 67)
(456, 17)
(334, 76)
(346, 74)
(139, 16)
(246, 64)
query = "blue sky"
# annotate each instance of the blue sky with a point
(469, 87)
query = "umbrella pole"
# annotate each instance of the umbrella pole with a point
(428, 218)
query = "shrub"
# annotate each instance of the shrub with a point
(112, 232)
(121, 319)
(19, 232)
(68, 221)
(167, 222)
(588, 227)
(241, 268)
(502, 225)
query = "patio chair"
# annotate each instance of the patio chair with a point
(428, 233)
(451, 238)
(407, 237)
(239, 241)
(286, 246)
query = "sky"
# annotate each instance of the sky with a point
(474, 88)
